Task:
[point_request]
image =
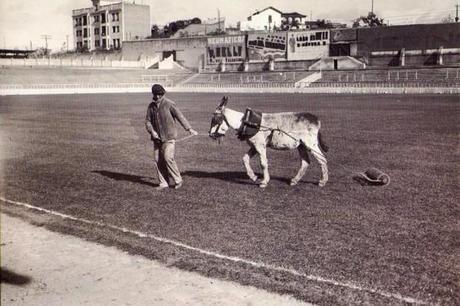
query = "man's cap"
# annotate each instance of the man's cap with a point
(158, 89)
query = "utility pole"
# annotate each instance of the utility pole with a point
(456, 13)
(67, 42)
(218, 19)
(46, 37)
(372, 7)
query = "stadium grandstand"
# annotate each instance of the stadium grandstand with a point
(400, 55)
(88, 76)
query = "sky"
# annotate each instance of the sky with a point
(23, 23)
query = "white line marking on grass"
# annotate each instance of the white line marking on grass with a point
(315, 278)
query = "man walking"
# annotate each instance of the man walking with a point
(162, 114)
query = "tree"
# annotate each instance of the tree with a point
(289, 23)
(155, 32)
(371, 20)
(196, 20)
(171, 28)
(448, 19)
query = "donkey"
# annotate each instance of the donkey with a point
(280, 131)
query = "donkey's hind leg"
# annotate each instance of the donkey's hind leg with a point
(304, 162)
(318, 154)
(246, 161)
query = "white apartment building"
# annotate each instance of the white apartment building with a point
(107, 24)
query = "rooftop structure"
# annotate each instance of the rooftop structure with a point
(270, 19)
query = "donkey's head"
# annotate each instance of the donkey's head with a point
(219, 124)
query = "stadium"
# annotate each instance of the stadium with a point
(76, 158)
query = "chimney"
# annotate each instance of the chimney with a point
(96, 3)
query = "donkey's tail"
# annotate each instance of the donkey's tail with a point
(322, 145)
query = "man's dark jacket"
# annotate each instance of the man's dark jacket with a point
(161, 118)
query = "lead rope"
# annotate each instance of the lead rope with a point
(189, 136)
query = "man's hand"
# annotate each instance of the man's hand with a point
(193, 132)
(154, 135)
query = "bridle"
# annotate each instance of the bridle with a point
(217, 120)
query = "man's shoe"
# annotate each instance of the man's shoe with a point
(178, 185)
(160, 187)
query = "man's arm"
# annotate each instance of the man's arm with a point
(148, 124)
(175, 111)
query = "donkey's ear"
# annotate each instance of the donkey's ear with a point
(223, 102)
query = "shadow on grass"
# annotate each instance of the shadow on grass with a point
(228, 176)
(9, 277)
(236, 177)
(125, 177)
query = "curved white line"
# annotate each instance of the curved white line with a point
(319, 279)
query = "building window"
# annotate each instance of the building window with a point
(103, 18)
(96, 31)
(115, 17)
(97, 43)
(104, 31)
(78, 22)
(104, 43)
(85, 32)
(84, 20)
(96, 18)
(116, 43)
(115, 29)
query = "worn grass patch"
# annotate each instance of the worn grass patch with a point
(90, 156)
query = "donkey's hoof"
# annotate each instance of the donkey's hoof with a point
(263, 185)
(322, 184)
(293, 183)
(253, 178)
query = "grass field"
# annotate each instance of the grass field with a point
(89, 156)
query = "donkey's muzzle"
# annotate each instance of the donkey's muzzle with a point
(216, 136)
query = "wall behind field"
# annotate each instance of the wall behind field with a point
(410, 37)
(188, 50)
(361, 43)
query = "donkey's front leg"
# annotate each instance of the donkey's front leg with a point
(246, 160)
(264, 165)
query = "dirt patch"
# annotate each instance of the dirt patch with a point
(40, 267)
